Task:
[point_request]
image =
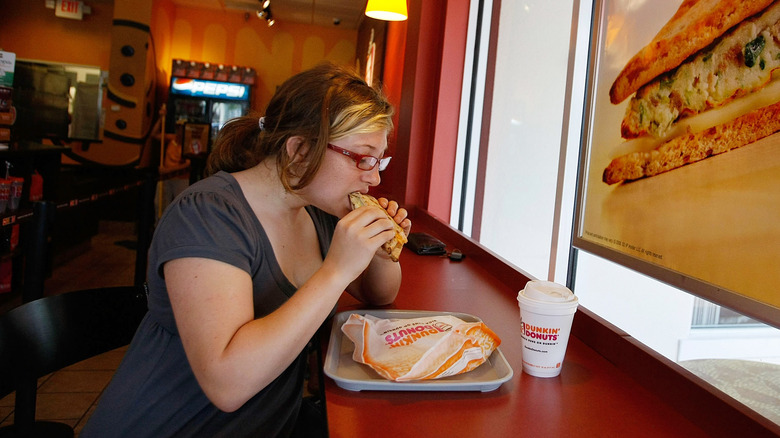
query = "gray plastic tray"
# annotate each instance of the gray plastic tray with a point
(355, 376)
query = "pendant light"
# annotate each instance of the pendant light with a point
(388, 10)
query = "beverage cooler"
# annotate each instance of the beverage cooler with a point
(200, 107)
(202, 97)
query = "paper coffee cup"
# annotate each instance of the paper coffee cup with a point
(546, 313)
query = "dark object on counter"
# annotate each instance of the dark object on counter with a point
(425, 244)
(455, 255)
(50, 333)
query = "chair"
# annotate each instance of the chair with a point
(51, 333)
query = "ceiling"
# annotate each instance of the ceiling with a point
(342, 13)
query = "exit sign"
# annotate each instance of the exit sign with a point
(69, 9)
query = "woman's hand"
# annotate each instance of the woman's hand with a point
(379, 280)
(357, 238)
(400, 215)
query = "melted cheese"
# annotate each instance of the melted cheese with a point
(707, 119)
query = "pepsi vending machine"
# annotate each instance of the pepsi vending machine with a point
(201, 106)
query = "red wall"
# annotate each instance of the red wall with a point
(448, 106)
(433, 50)
(392, 84)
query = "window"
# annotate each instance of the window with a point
(707, 314)
(524, 210)
(529, 173)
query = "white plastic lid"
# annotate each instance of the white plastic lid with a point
(547, 291)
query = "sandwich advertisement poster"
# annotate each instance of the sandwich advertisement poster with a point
(680, 171)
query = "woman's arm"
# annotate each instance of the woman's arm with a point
(233, 355)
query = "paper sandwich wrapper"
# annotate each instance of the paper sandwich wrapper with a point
(424, 348)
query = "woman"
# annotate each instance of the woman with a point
(246, 265)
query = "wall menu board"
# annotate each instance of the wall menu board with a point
(696, 203)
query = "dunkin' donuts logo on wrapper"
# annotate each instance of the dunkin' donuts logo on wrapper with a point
(408, 334)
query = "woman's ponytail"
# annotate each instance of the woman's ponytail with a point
(236, 147)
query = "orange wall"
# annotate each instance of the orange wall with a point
(30, 30)
(237, 38)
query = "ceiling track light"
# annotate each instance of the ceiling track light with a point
(265, 13)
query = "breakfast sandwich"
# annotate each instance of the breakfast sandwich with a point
(393, 246)
(703, 86)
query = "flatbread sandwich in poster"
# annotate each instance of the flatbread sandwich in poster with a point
(703, 86)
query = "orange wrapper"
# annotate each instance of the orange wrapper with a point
(419, 348)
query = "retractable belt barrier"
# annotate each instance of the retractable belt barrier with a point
(40, 218)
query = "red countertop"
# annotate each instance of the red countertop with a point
(591, 397)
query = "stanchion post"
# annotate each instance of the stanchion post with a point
(37, 251)
(146, 218)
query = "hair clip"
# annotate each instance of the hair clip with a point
(262, 123)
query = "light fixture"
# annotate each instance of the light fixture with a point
(266, 12)
(388, 10)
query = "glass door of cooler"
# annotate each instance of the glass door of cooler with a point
(186, 110)
(222, 111)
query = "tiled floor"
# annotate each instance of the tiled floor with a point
(68, 396)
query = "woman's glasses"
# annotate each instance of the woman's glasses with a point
(363, 162)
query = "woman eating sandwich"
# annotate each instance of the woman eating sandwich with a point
(246, 264)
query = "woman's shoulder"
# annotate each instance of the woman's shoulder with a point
(220, 182)
(210, 219)
(220, 188)
(217, 196)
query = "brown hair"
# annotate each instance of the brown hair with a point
(320, 105)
